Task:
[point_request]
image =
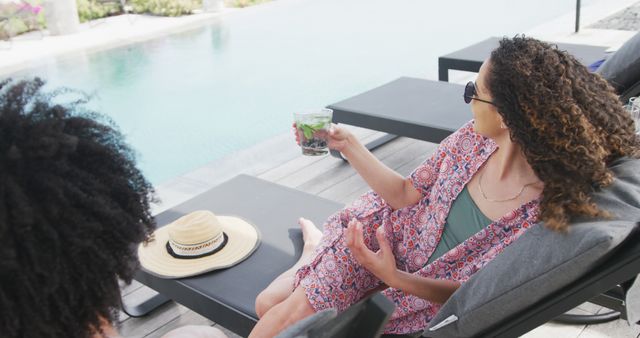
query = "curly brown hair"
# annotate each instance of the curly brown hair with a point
(568, 121)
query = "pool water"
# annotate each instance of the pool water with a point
(188, 99)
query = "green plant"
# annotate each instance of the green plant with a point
(164, 7)
(20, 17)
(243, 3)
(92, 9)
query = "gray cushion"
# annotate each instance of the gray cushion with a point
(622, 68)
(542, 261)
(302, 327)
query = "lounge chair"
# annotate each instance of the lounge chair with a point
(622, 69)
(418, 108)
(562, 271)
(228, 296)
(471, 58)
(517, 292)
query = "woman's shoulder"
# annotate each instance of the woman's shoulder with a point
(465, 140)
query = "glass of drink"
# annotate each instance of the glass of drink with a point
(313, 131)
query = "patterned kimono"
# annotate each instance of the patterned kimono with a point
(334, 279)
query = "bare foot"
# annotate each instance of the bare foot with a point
(311, 235)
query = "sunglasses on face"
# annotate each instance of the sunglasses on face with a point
(470, 93)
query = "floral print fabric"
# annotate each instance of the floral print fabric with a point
(334, 279)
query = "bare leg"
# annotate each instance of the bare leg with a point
(292, 309)
(282, 286)
(311, 237)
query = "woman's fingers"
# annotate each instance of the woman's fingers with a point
(349, 235)
(295, 132)
(358, 248)
(385, 247)
(352, 235)
(337, 133)
(338, 138)
(359, 237)
(380, 263)
(336, 145)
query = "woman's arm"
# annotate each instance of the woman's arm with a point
(383, 264)
(396, 190)
(434, 290)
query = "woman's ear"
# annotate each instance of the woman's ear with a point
(502, 125)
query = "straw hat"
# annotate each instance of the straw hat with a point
(196, 243)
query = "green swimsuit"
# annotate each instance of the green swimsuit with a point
(464, 220)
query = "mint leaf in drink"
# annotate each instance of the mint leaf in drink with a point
(308, 131)
(319, 125)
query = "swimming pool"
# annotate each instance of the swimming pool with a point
(190, 98)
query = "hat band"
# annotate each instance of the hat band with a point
(190, 251)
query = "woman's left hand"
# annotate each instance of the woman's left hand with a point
(381, 263)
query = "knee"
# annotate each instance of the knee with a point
(264, 302)
(285, 313)
(297, 307)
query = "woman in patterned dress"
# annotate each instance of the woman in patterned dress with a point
(542, 134)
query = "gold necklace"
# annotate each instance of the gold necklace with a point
(502, 200)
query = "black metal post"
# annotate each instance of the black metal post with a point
(577, 15)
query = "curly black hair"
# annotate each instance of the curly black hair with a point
(73, 207)
(568, 121)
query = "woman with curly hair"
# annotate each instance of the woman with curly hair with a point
(544, 130)
(73, 209)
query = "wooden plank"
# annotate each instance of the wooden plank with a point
(122, 316)
(281, 171)
(139, 295)
(229, 333)
(404, 170)
(418, 150)
(143, 326)
(331, 177)
(303, 174)
(187, 318)
(301, 162)
(277, 173)
(322, 168)
(127, 289)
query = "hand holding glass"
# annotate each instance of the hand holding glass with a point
(312, 130)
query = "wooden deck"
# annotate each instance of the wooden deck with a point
(336, 180)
